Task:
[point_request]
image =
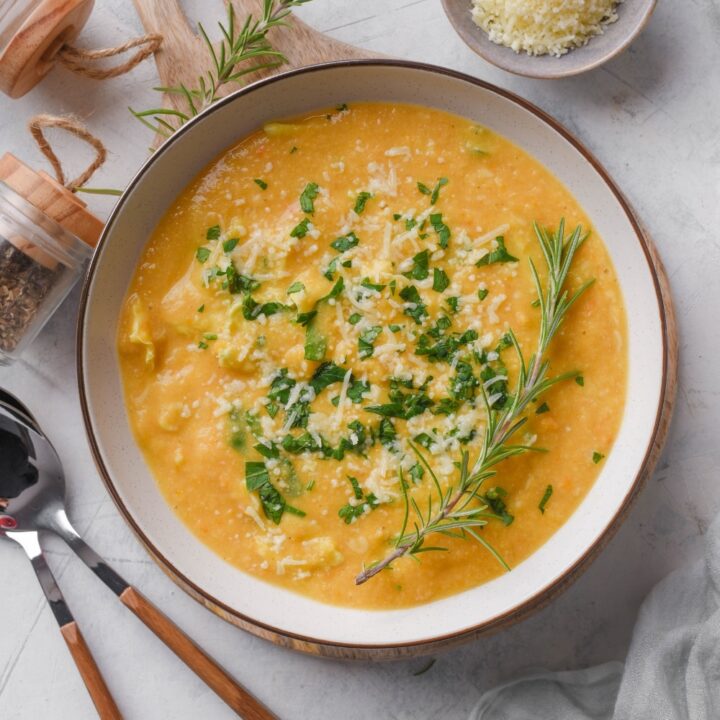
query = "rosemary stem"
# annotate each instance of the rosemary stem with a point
(403, 549)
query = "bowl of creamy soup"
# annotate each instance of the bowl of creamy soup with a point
(373, 358)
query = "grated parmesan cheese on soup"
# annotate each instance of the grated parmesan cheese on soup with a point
(543, 27)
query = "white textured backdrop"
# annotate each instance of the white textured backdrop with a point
(652, 116)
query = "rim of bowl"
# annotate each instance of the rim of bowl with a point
(509, 616)
(495, 54)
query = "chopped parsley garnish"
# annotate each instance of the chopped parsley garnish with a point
(441, 281)
(257, 479)
(337, 288)
(345, 242)
(482, 294)
(438, 346)
(307, 198)
(355, 318)
(296, 287)
(597, 457)
(201, 308)
(230, 245)
(395, 328)
(494, 498)
(236, 282)
(365, 503)
(357, 491)
(301, 229)
(260, 183)
(546, 496)
(203, 345)
(580, 380)
(325, 375)
(315, 343)
(499, 255)
(357, 389)
(213, 233)
(366, 340)
(367, 283)
(202, 254)
(435, 192)
(268, 451)
(542, 409)
(361, 201)
(238, 430)
(403, 405)
(280, 389)
(252, 310)
(416, 309)
(453, 303)
(419, 270)
(424, 440)
(300, 443)
(464, 384)
(442, 230)
(281, 386)
(386, 432)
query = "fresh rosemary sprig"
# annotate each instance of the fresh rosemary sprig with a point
(248, 44)
(459, 510)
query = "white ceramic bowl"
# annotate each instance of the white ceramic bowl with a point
(278, 614)
(633, 16)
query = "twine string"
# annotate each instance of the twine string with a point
(76, 128)
(80, 60)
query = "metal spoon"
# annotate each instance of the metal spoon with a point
(32, 488)
(10, 403)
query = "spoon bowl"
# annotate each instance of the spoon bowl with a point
(32, 484)
(9, 402)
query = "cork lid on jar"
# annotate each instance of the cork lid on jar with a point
(51, 198)
(30, 52)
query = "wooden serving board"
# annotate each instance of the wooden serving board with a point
(184, 56)
(181, 60)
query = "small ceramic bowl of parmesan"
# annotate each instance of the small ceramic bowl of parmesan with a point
(548, 38)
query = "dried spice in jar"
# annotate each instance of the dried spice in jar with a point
(46, 239)
(24, 284)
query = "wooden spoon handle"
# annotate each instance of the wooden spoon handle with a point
(90, 673)
(240, 700)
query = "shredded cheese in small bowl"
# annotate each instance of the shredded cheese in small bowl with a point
(543, 27)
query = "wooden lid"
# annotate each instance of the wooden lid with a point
(51, 198)
(30, 54)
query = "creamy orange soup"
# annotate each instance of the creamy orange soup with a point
(331, 289)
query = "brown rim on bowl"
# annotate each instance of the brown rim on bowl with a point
(542, 597)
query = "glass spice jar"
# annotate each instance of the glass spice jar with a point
(46, 238)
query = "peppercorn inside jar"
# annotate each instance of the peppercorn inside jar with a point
(40, 262)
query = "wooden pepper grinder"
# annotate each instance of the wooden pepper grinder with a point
(35, 34)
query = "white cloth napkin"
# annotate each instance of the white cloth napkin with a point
(672, 671)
